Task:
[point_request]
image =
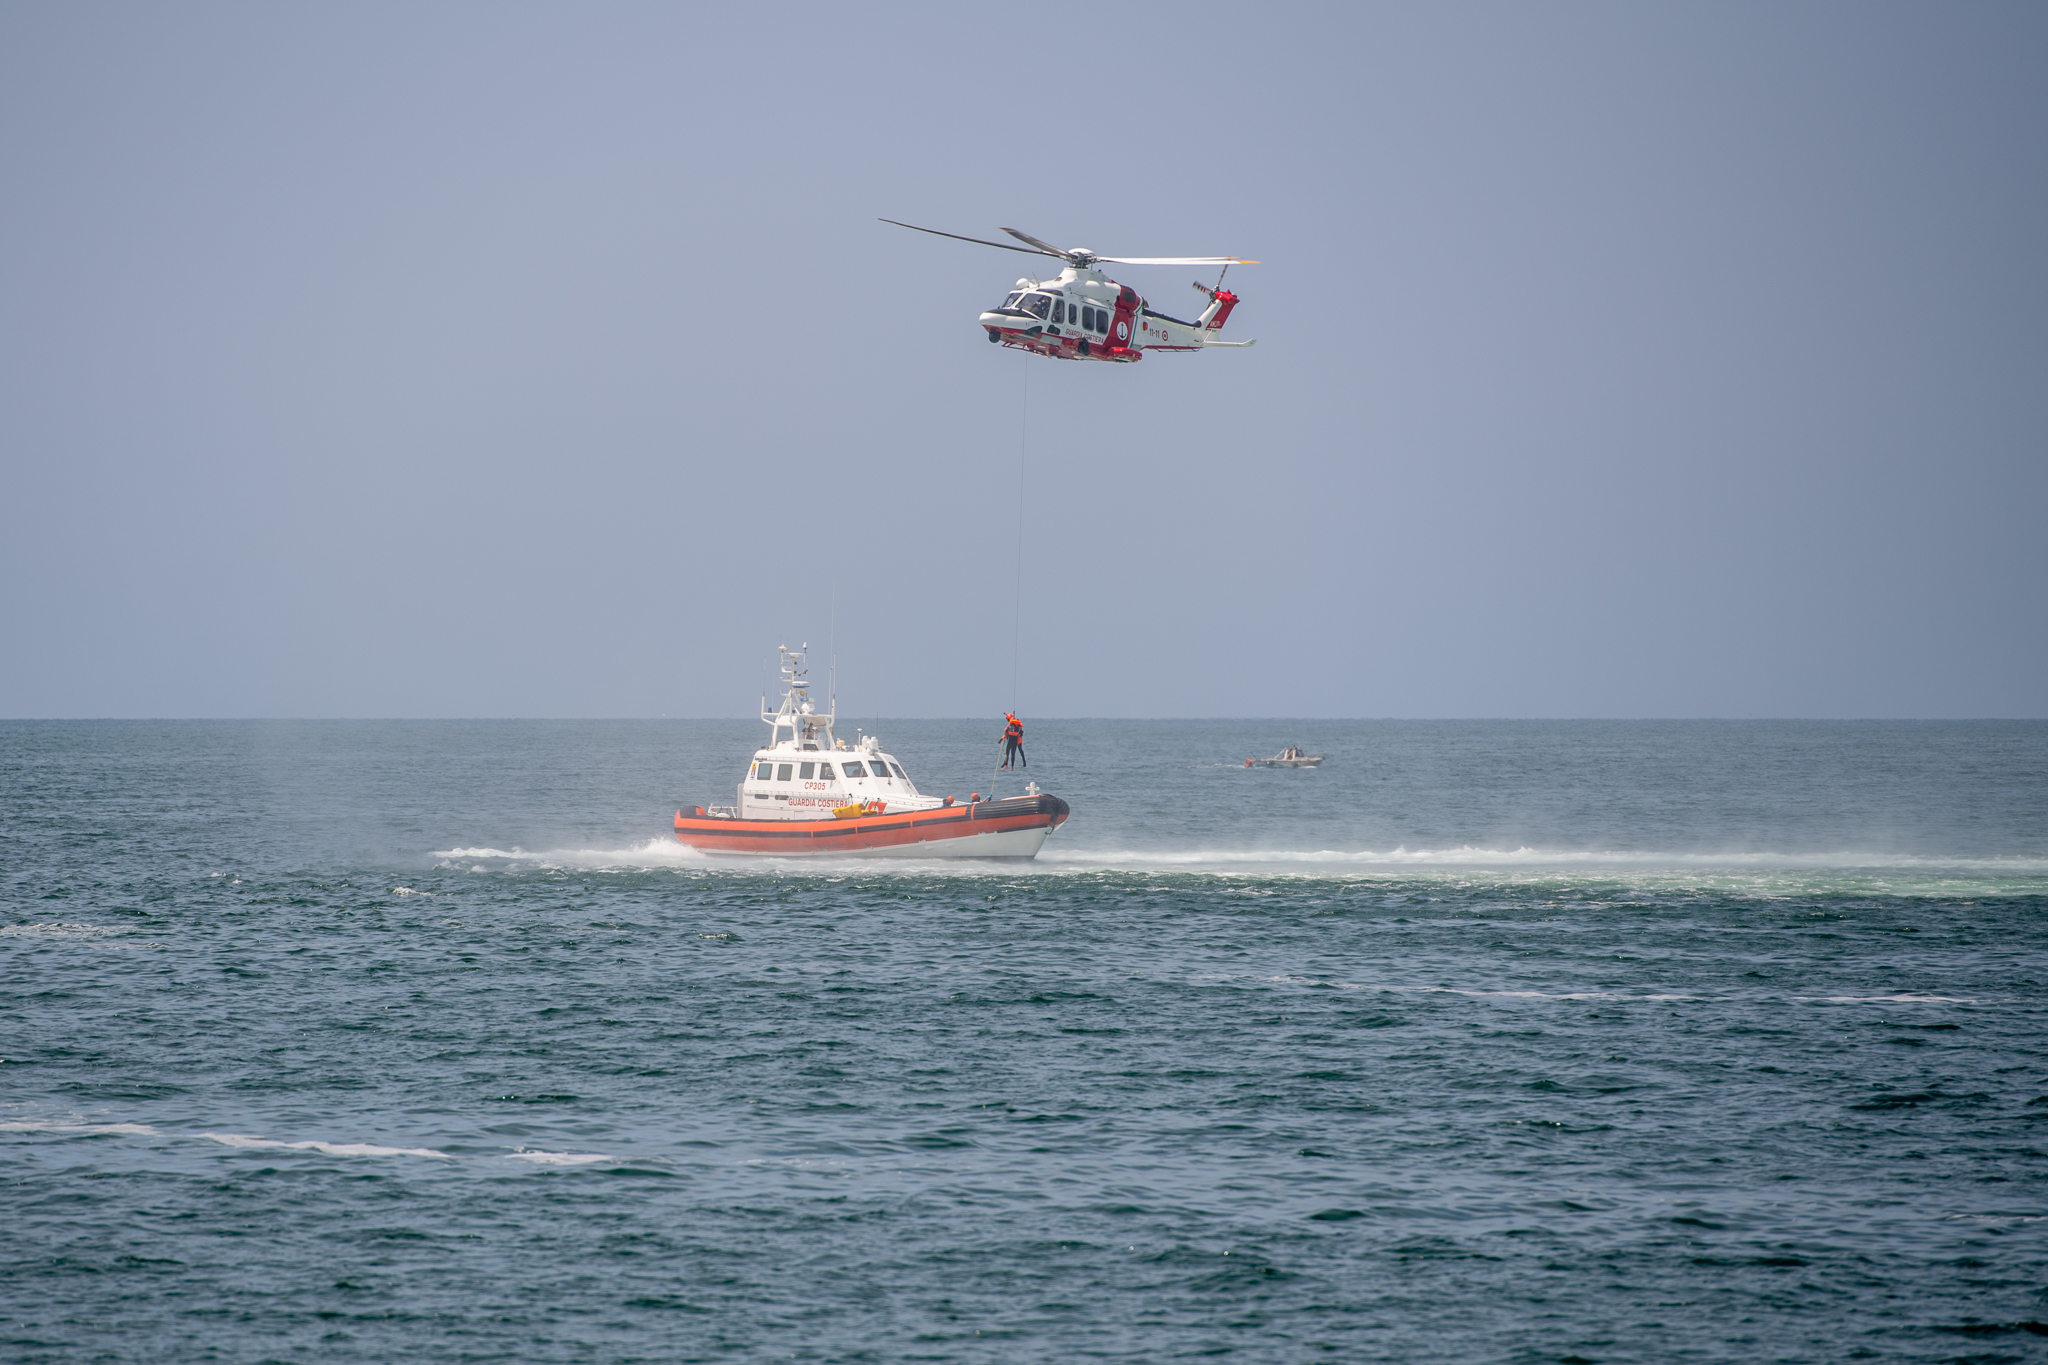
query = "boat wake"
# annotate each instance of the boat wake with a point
(2020, 873)
(1468, 858)
(656, 853)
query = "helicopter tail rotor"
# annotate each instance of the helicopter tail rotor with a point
(1210, 292)
(1221, 301)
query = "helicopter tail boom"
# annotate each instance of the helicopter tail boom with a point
(1221, 301)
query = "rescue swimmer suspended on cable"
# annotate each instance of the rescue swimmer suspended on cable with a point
(1085, 315)
(1013, 741)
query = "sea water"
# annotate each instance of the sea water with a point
(1490, 1041)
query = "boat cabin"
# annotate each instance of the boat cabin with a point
(798, 782)
(806, 773)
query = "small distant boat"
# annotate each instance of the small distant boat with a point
(1289, 757)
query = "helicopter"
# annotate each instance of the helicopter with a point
(1084, 315)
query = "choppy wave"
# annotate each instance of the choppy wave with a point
(1900, 999)
(1647, 995)
(1470, 856)
(64, 930)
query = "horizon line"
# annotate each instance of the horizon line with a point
(1140, 720)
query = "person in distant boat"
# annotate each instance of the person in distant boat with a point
(1013, 741)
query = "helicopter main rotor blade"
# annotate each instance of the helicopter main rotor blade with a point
(1177, 260)
(1000, 246)
(1047, 247)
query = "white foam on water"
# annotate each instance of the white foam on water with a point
(800, 1163)
(556, 1158)
(250, 1142)
(40, 1126)
(243, 1140)
(655, 853)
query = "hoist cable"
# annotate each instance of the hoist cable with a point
(1017, 609)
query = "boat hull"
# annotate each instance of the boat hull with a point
(1014, 828)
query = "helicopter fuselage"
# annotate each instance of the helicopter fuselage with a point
(1085, 315)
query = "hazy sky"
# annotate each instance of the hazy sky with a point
(497, 359)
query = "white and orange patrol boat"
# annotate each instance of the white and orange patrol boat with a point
(810, 793)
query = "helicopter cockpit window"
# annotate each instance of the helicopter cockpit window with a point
(1011, 302)
(1059, 310)
(1038, 305)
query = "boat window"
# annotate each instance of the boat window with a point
(900, 773)
(807, 771)
(854, 770)
(825, 771)
(765, 771)
(782, 772)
